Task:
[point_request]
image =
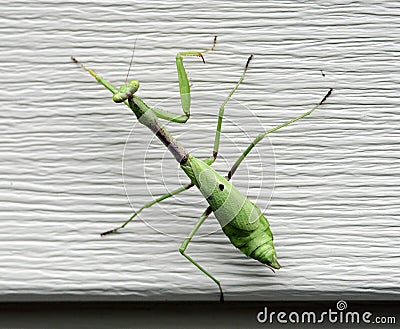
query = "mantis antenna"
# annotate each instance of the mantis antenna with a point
(130, 64)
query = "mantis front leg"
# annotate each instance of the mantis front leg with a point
(120, 95)
(184, 86)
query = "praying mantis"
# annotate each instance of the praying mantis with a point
(241, 220)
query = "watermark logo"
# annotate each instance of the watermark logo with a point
(341, 305)
(339, 315)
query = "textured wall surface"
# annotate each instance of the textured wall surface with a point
(71, 167)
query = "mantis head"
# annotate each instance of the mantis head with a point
(126, 91)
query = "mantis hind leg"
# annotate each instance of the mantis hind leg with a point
(260, 137)
(185, 244)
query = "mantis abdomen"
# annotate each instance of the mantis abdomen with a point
(241, 220)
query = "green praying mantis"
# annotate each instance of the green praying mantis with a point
(241, 220)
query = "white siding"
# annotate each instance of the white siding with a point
(335, 207)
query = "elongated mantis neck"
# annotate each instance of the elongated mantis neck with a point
(147, 117)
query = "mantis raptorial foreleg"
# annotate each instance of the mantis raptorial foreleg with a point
(184, 86)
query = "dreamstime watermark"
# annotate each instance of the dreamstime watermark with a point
(338, 315)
